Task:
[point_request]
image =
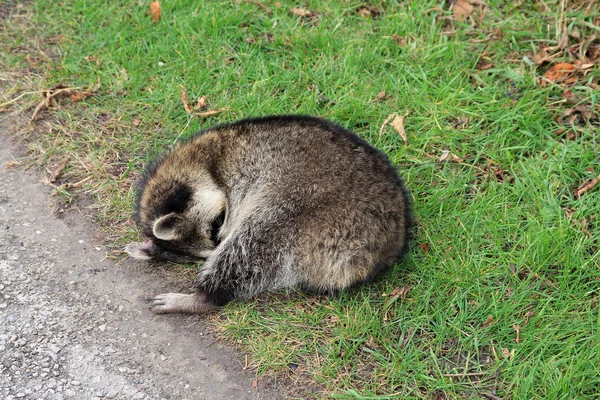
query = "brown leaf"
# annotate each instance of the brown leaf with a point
(398, 124)
(483, 65)
(444, 156)
(400, 292)
(517, 330)
(425, 247)
(254, 383)
(301, 12)
(489, 321)
(184, 99)
(136, 122)
(368, 11)
(155, 11)
(586, 186)
(381, 96)
(210, 113)
(593, 54)
(58, 171)
(558, 72)
(461, 9)
(400, 40)
(201, 103)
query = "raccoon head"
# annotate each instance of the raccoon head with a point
(188, 234)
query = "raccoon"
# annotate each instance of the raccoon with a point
(271, 203)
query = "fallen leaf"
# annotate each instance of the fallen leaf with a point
(483, 65)
(155, 11)
(517, 330)
(58, 171)
(444, 156)
(210, 113)
(368, 11)
(400, 292)
(381, 96)
(461, 9)
(136, 122)
(558, 72)
(184, 99)
(201, 103)
(254, 383)
(398, 124)
(456, 159)
(489, 321)
(301, 12)
(586, 186)
(425, 247)
(400, 40)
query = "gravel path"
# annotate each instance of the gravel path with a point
(74, 326)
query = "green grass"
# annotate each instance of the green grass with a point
(499, 234)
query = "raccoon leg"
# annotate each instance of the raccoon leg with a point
(171, 303)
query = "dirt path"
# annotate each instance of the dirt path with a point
(74, 326)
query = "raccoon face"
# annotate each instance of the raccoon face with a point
(186, 236)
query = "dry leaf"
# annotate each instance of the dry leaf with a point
(586, 186)
(400, 292)
(301, 12)
(155, 11)
(517, 330)
(489, 321)
(184, 99)
(559, 71)
(381, 95)
(444, 156)
(58, 171)
(254, 383)
(483, 65)
(398, 124)
(400, 40)
(201, 103)
(456, 159)
(210, 113)
(461, 9)
(368, 11)
(136, 122)
(425, 247)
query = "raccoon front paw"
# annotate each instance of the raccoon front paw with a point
(173, 303)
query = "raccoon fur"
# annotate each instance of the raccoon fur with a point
(271, 203)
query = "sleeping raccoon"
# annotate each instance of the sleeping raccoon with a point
(271, 203)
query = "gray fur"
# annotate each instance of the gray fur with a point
(304, 203)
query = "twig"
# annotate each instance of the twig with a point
(468, 374)
(18, 97)
(491, 396)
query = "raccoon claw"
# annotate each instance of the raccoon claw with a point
(171, 303)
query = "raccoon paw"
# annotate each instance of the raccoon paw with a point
(173, 303)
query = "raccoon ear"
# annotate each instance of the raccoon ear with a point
(168, 227)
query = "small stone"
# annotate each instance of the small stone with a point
(138, 396)
(75, 383)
